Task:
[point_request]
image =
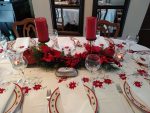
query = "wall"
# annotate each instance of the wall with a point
(87, 11)
(42, 9)
(135, 16)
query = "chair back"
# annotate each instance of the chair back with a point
(24, 28)
(108, 29)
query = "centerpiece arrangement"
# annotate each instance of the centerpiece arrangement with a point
(46, 56)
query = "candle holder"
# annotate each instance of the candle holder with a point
(119, 55)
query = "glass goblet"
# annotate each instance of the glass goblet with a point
(19, 62)
(53, 34)
(131, 40)
(92, 62)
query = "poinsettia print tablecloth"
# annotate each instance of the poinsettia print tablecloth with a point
(38, 81)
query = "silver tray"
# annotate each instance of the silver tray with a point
(66, 72)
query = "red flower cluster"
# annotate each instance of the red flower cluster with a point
(138, 84)
(49, 53)
(1, 50)
(108, 81)
(1, 90)
(72, 85)
(26, 89)
(142, 72)
(122, 76)
(37, 87)
(85, 79)
(98, 83)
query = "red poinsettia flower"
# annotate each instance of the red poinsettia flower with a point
(103, 59)
(37, 87)
(141, 72)
(85, 79)
(72, 62)
(81, 55)
(94, 49)
(56, 54)
(62, 79)
(72, 85)
(1, 50)
(122, 76)
(98, 83)
(48, 58)
(45, 49)
(109, 51)
(107, 81)
(120, 45)
(1, 90)
(138, 84)
(26, 89)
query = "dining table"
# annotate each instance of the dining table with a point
(37, 81)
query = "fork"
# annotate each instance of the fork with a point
(121, 92)
(48, 94)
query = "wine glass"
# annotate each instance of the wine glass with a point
(131, 40)
(3, 47)
(92, 62)
(53, 34)
(18, 61)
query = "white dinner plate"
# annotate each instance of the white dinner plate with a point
(55, 105)
(134, 99)
(14, 100)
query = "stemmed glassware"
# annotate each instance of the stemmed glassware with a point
(131, 40)
(92, 62)
(18, 61)
(3, 47)
(53, 34)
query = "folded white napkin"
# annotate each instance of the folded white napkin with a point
(110, 100)
(140, 88)
(74, 97)
(21, 44)
(101, 40)
(65, 42)
(5, 96)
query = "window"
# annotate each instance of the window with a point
(68, 16)
(114, 11)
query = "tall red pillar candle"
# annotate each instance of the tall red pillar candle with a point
(91, 26)
(42, 29)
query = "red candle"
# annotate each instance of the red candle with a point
(42, 29)
(91, 26)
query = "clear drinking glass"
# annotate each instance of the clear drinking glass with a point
(131, 40)
(3, 47)
(92, 62)
(18, 61)
(53, 34)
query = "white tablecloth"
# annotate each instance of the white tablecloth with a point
(35, 101)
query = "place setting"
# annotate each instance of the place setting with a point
(11, 95)
(137, 89)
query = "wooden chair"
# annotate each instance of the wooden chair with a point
(59, 19)
(108, 29)
(24, 28)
